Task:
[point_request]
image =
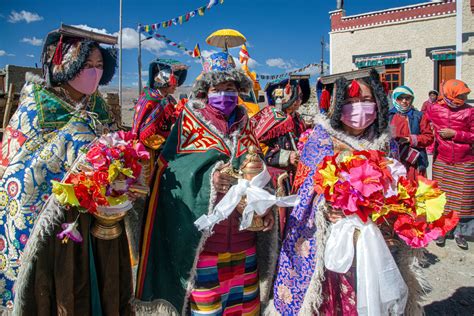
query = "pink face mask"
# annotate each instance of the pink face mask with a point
(87, 81)
(359, 115)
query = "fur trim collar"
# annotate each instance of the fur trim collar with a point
(379, 143)
(33, 78)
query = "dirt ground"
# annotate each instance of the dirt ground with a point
(450, 271)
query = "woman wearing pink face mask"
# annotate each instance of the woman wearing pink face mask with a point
(357, 120)
(58, 116)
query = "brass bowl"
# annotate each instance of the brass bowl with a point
(257, 224)
(107, 221)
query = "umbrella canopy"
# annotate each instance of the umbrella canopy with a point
(226, 38)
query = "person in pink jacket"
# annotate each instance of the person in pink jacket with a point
(453, 122)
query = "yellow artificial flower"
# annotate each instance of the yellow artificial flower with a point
(117, 168)
(117, 200)
(64, 193)
(430, 201)
(329, 176)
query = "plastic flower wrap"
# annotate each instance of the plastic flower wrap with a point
(111, 166)
(374, 187)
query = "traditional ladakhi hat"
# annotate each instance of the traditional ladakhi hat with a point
(219, 68)
(65, 52)
(291, 89)
(165, 72)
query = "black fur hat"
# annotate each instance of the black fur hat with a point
(64, 56)
(373, 81)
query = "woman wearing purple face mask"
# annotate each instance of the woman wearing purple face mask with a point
(58, 116)
(184, 270)
(357, 120)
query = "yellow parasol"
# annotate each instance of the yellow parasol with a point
(226, 38)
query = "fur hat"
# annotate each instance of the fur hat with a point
(64, 56)
(373, 81)
(218, 69)
(291, 90)
(161, 72)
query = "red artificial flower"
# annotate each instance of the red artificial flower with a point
(101, 177)
(415, 231)
(85, 199)
(445, 223)
(344, 198)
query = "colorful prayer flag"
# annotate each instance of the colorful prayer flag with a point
(201, 11)
(244, 55)
(196, 51)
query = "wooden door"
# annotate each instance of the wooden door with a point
(446, 71)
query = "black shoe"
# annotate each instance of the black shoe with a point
(440, 241)
(461, 242)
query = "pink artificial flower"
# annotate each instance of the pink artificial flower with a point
(96, 156)
(70, 232)
(365, 179)
(344, 198)
(141, 151)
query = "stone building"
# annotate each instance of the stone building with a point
(420, 45)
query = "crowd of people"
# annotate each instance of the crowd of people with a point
(201, 148)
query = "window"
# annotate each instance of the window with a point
(393, 76)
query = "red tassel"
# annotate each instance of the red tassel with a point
(58, 54)
(173, 81)
(354, 90)
(288, 89)
(386, 87)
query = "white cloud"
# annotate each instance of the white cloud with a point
(130, 39)
(252, 63)
(92, 29)
(30, 55)
(4, 53)
(32, 41)
(206, 53)
(169, 52)
(279, 63)
(23, 15)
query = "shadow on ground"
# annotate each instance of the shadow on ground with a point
(460, 303)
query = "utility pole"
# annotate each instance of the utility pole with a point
(139, 61)
(120, 57)
(322, 55)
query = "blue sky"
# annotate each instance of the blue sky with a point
(282, 35)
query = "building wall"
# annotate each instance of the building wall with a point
(467, 71)
(416, 36)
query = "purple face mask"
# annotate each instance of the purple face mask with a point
(224, 101)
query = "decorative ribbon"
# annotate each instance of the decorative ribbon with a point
(286, 74)
(258, 201)
(381, 289)
(150, 29)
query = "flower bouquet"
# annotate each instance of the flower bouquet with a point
(374, 187)
(100, 183)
